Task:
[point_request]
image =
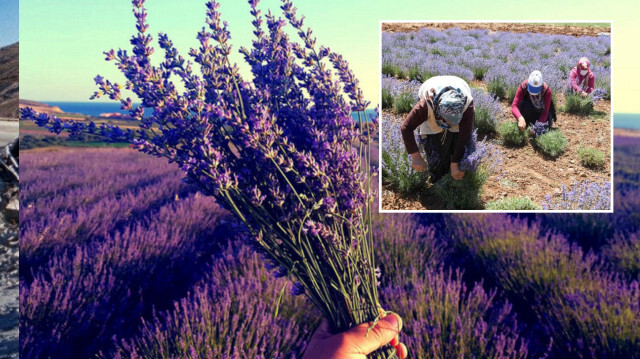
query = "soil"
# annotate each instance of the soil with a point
(525, 170)
(504, 27)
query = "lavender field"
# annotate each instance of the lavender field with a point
(126, 261)
(495, 63)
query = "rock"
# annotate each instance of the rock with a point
(582, 174)
(13, 209)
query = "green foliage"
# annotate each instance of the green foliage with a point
(29, 141)
(552, 143)
(397, 171)
(387, 99)
(513, 204)
(479, 72)
(404, 102)
(464, 193)
(511, 94)
(388, 69)
(590, 157)
(483, 121)
(498, 88)
(511, 134)
(415, 74)
(577, 105)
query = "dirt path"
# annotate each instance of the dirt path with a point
(506, 27)
(527, 172)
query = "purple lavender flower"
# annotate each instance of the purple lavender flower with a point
(538, 129)
(285, 140)
(585, 195)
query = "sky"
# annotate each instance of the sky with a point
(62, 40)
(8, 22)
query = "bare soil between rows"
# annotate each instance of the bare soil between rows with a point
(525, 171)
(554, 29)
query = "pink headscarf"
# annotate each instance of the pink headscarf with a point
(583, 64)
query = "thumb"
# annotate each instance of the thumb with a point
(385, 330)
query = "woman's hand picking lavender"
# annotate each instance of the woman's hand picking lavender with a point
(455, 171)
(522, 124)
(355, 343)
(417, 162)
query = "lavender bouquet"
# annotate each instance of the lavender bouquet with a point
(281, 152)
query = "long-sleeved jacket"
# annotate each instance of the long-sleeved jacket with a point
(421, 113)
(581, 83)
(522, 92)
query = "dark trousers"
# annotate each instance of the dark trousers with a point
(532, 114)
(438, 149)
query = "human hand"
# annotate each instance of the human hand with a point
(522, 124)
(417, 162)
(583, 94)
(455, 171)
(355, 343)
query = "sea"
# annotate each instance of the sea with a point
(97, 108)
(626, 120)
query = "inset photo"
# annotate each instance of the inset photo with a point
(508, 117)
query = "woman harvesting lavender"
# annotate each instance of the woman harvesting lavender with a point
(581, 78)
(533, 103)
(444, 115)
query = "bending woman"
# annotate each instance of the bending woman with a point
(444, 115)
(582, 79)
(533, 102)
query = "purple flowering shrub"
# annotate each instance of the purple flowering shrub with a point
(98, 255)
(481, 160)
(442, 316)
(585, 310)
(231, 313)
(78, 209)
(487, 111)
(513, 203)
(584, 195)
(445, 318)
(594, 230)
(396, 162)
(591, 157)
(403, 244)
(168, 284)
(401, 95)
(552, 143)
(500, 59)
(622, 253)
(574, 103)
(280, 152)
(511, 134)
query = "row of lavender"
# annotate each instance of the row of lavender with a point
(141, 273)
(501, 59)
(103, 245)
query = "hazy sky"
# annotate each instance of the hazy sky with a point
(61, 41)
(8, 22)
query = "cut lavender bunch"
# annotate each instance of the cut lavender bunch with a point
(538, 129)
(281, 152)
